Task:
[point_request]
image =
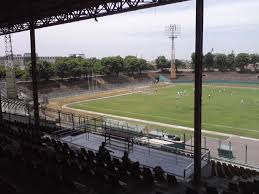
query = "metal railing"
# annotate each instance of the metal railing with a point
(190, 168)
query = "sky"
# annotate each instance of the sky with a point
(229, 25)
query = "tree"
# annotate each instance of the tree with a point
(209, 61)
(230, 62)
(46, 70)
(118, 64)
(112, 65)
(74, 66)
(141, 65)
(130, 64)
(2, 72)
(242, 59)
(179, 64)
(61, 68)
(221, 61)
(97, 66)
(254, 58)
(86, 67)
(20, 73)
(162, 62)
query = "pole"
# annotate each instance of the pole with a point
(79, 122)
(45, 117)
(29, 116)
(205, 143)
(173, 73)
(59, 120)
(191, 142)
(1, 110)
(92, 81)
(84, 125)
(34, 81)
(198, 90)
(88, 82)
(96, 82)
(9, 111)
(246, 154)
(73, 121)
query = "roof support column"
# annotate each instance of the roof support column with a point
(1, 110)
(35, 131)
(198, 90)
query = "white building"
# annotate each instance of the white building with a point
(21, 61)
(78, 55)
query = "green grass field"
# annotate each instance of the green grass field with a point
(227, 110)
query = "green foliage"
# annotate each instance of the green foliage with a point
(130, 64)
(61, 68)
(227, 62)
(254, 58)
(242, 59)
(112, 65)
(209, 61)
(86, 67)
(141, 65)
(221, 61)
(2, 71)
(20, 73)
(97, 66)
(230, 62)
(46, 70)
(179, 64)
(162, 62)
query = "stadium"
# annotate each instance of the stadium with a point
(125, 124)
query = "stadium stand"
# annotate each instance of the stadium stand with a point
(66, 169)
(56, 88)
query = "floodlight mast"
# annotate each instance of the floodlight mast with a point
(9, 66)
(173, 32)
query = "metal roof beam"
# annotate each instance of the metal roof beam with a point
(100, 10)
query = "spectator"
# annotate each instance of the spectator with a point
(125, 159)
(103, 153)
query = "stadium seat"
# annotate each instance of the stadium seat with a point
(233, 187)
(147, 176)
(171, 179)
(211, 190)
(190, 191)
(159, 173)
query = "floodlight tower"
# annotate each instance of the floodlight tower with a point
(173, 31)
(10, 74)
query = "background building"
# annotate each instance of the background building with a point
(21, 61)
(77, 55)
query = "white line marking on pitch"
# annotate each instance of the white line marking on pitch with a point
(155, 116)
(153, 122)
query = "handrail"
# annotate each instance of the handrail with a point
(95, 151)
(190, 165)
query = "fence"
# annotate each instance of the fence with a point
(234, 150)
(227, 82)
(187, 172)
(239, 151)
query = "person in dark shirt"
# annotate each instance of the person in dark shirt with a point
(125, 159)
(103, 153)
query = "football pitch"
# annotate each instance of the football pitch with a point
(229, 110)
